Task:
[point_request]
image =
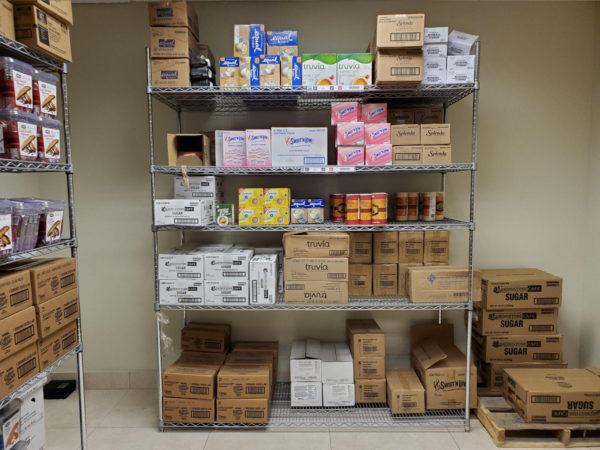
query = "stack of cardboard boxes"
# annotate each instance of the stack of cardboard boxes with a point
(421, 144)
(516, 323)
(316, 267)
(367, 345)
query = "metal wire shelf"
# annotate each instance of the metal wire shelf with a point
(369, 415)
(29, 55)
(323, 170)
(40, 251)
(446, 224)
(236, 99)
(16, 166)
(38, 380)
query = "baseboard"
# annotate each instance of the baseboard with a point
(136, 379)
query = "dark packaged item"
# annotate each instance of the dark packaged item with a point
(202, 83)
(59, 389)
(16, 84)
(200, 61)
(49, 139)
(25, 224)
(201, 72)
(6, 239)
(18, 135)
(44, 93)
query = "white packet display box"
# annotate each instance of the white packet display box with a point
(226, 292)
(264, 270)
(182, 212)
(234, 263)
(180, 263)
(297, 146)
(181, 292)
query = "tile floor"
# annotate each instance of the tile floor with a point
(126, 419)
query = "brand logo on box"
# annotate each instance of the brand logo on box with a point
(381, 153)
(351, 131)
(298, 142)
(346, 111)
(380, 132)
(233, 139)
(258, 137)
(169, 74)
(352, 154)
(440, 385)
(376, 112)
(166, 43)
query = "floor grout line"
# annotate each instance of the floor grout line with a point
(454, 440)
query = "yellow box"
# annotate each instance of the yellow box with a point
(276, 198)
(276, 216)
(250, 216)
(250, 198)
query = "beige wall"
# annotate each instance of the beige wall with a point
(535, 128)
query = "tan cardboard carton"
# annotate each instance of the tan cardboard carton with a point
(17, 331)
(369, 367)
(401, 116)
(519, 289)
(309, 244)
(203, 358)
(56, 313)
(270, 347)
(370, 391)
(492, 374)
(429, 115)
(442, 284)
(396, 31)
(243, 410)
(518, 348)
(365, 338)
(41, 31)
(554, 395)
(235, 381)
(15, 292)
(7, 24)
(515, 321)
(188, 410)
(316, 292)
(398, 67)
(385, 247)
(406, 134)
(360, 283)
(53, 278)
(435, 134)
(60, 9)
(170, 72)
(253, 359)
(437, 154)
(436, 247)
(173, 14)
(58, 344)
(189, 149)
(192, 380)
(407, 154)
(405, 393)
(410, 247)
(172, 42)
(361, 248)
(17, 369)
(203, 337)
(385, 280)
(315, 269)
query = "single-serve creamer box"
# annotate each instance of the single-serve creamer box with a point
(249, 40)
(258, 148)
(296, 146)
(182, 212)
(234, 148)
(355, 69)
(319, 69)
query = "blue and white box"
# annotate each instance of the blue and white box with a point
(249, 40)
(298, 146)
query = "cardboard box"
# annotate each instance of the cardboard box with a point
(339, 394)
(401, 117)
(188, 149)
(360, 283)
(59, 9)
(554, 395)
(442, 284)
(407, 154)
(406, 134)
(183, 212)
(429, 115)
(369, 367)
(435, 134)
(370, 391)
(170, 72)
(191, 380)
(365, 338)
(172, 42)
(243, 410)
(270, 347)
(492, 374)
(35, 28)
(305, 394)
(518, 348)
(398, 67)
(249, 40)
(188, 410)
(58, 344)
(385, 247)
(181, 263)
(233, 264)
(437, 154)
(174, 14)
(515, 321)
(270, 70)
(230, 73)
(460, 43)
(204, 337)
(291, 71)
(207, 187)
(436, 247)
(33, 429)
(319, 69)
(226, 292)
(317, 244)
(253, 359)
(201, 358)
(297, 146)
(305, 361)
(264, 271)
(57, 313)
(410, 247)
(403, 278)
(405, 393)
(282, 43)
(361, 248)
(385, 280)
(181, 292)
(438, 50)
(336, 364)
(316, 292)
(235, 381)
(17, 332)
(15, 291)
(520, 288)
(17, 369)
(315, 269)
(435, 35)
(7, 24)
(396, 31)
(51, 278)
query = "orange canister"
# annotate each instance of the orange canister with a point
(439, 206)
(379, 208)
(338, 207)
(365, 207)
(352, 212)
(428, 206)
(413, 206)
(402, 206)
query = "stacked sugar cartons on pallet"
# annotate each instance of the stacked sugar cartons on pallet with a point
(516, 323)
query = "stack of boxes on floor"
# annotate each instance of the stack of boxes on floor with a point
(516, 323)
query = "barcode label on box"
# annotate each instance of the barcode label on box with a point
(234, 299)
(407, 156)
(199, 390)
(336, 276)
(184, 221)
(541, 328)
(405, 71)
(189, 275)
(337, 252)
(189, 300)
(69, 340)
(24, 334)
(200, 414)
(254, 414)
(409, 404)
(545, 399)
(70, 310)
(546, 301)
(255, 390)
(19, 297)
(67, 280)
(402, 37)
(546, 356)
(26, 368)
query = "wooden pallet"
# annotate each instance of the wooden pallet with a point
(508, 429)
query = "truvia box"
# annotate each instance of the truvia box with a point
(319, 69)
(297, 146)
(270, 70)
(263, 279)
(229, 69)
(291, 71)
(354, 69)
(249, 40)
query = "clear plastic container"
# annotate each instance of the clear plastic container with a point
(16, 88)
(49, 139)
(45, 87)
(6, 238)
(51, 222)
(18, 135)
(26, 224)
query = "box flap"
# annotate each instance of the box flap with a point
(405, 379)
(499, 275)
(555, 380)
(306, 349)
(594, 370)
(429, 353)
(443, 333)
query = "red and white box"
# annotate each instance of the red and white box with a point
(234, 148)
(351, 133)
(258, 148)
(378, 133)
(342, 112)
(353, 155)
(378, 155)
(373, 113)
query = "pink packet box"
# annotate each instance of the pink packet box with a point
(378, 155)
(374, 113)
(234, 148)
(350, 133)
(344, 112)
(258, 148)
(378, 133)
(351, 156)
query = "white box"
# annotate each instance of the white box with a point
(182, 212)
(180, 263)
(264, 270)
(339, 394)
(436, 50)
(305, 361)
(226, 292)
(205, 188)
(460, 69)
(219, 148)
(33, 430)
(232, 264)
(435, 35)
(279, 252)
(460, 43)
(319, 69)
(258, 148)
(234, 148)
(434, 78)
(336, 363)
(306, 394)
(295, 146)
(181, 292)
(434, 70)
